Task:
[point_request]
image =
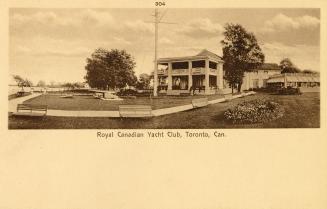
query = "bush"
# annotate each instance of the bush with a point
(144, 92)
(289, 91)
(255, 111)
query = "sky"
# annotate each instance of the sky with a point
(53, 44)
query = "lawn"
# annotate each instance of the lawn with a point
(301, 111)
(90, 103)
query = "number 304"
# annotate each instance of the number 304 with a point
(160, 3)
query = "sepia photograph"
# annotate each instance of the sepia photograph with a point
(164, 68)
(140, 104)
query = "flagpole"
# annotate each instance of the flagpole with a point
(155, 76)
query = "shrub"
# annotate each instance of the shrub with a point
(255, 111)
(289, 91)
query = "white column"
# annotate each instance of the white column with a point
(285, 80)
(155, 74)
(206, 79)
(245, 81)
(252, 77)
(170, 80)
(190, 80)
(220, 76)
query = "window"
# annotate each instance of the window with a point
(198, 64)
(212, 65)
(180, 65)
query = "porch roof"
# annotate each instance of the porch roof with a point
(295, 77)
(204, 54)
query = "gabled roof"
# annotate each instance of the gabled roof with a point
(207, 53)
(202, 55)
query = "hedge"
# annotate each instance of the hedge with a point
(254, 111)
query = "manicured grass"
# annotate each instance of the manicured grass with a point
(301, 111)
(90, 103)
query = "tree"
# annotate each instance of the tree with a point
(41, 83)
(241, 53)
(69, 86)
(78, 85)
(22, 82)
(54, 84)
(110, 69)
(28, 83)
(287, 66)
(144, 81)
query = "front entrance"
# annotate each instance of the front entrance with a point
(198, 84)
(198, 81)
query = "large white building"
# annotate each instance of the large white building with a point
(204, 74)
(199, 74)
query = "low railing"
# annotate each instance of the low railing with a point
(162, 72)
(213, 87)
(179, 88)
(162, 87)
(199, 70)
(179, 71)
(213, 71)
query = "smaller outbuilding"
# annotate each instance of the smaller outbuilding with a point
(307, 82)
